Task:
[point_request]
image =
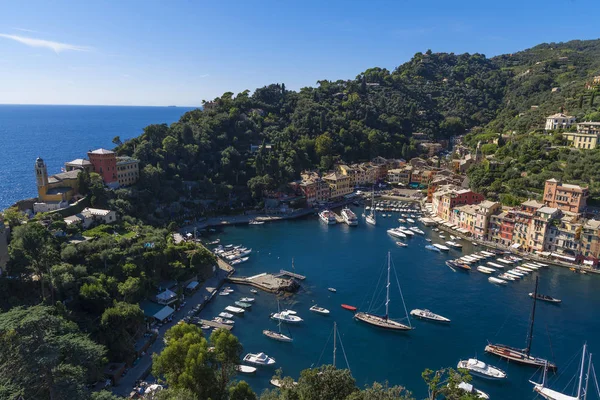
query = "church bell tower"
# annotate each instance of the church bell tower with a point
(41, 177)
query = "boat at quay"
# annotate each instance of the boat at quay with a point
(351, 260)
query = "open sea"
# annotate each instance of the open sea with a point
(62, 133)
(351, 260)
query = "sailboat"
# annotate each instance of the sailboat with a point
(522, 356)
(582, 391)
(385, 321)
(277, 335)
(371, 217)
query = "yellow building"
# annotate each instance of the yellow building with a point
(54, 192)
(340, 185)
(128, 170)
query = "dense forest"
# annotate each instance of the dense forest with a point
(207, 153)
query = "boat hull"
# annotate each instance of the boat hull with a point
(517, 356)
(348, 307)
(381, 322)
(277, 336)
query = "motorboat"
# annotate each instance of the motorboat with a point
(516, 272)
(432, 248)
(245, 369)
(235, 310)
(416, 230)
(253, 291)
(507, 277)
(485, 270)
(401, 244)
(247, 299)
(222, 293)
(479, 368)
(239, 261)
(544, 297)
(412, 221)
(255, 222)
(328, 217)
(514, 275)
(225, 315)
(497, 280)
(284, 316)
(407, 232)
(396, 233)
(223, 321)
(242, 304)
(277, 336)
(428, 315)
(278, 383)
(319, 310)
(348, 307)
(470, 389)
(454, 244)
(441, 247)
(349, 217)
(493, 264)
(333, 290)
(259, 359)
(428, 240)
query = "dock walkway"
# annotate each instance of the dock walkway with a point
(283, 272)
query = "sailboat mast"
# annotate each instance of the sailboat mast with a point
(587, 377)
(530, 336)
(334, 342)
(581, 371)
(387, 293)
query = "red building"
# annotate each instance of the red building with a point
(104, 163)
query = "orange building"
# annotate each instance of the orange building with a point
(565, 197)
(104, 163)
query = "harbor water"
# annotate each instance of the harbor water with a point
(351, 260)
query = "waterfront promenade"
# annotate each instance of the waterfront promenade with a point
(206, 292)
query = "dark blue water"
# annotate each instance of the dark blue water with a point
(351, 259)
(62, 133)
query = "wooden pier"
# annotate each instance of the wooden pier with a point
(283, 272)
(214, 324)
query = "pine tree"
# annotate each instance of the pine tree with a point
(592, 99)
(581, 101)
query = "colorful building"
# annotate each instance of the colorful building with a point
(339, 184)
(313, 188)
(55, 191)
(128, 171)
(448, 197)
(566, 197)
(104, 163)
(483, 214)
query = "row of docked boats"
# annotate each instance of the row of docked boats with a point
(330, 218)
(234, 255)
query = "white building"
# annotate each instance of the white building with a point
(558, 121)
(91, 215)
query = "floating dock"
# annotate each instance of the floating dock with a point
(267, 282)
(214, 324)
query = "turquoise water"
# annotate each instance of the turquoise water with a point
(351, 260)
(63, 133)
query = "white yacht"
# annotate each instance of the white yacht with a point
(416, 230)
(319, 310)
(481, 369)
(485, 270)
(328, 217)
(235, 310)
(285, 316)
(441, 247)
(370, 219)
(395, 232)
(225, 315)
(259, 359)
(426, 314)
(245, 369)
(467, 387)
(247, 299)
(407, 232)
(497, 281)
(454, 244)
(349, 217)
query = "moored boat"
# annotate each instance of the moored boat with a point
(432, 248)
(259, 359)
(277, 336)
(479, 368)
(285, 316)
(349, 217)
(454, 244)
(245, 369)
(328, 217)
(247, 299)
(485, 270)
(235, 310)
(497, 280)
(428, 315)
(441, 247)
(348, 307)
(395, 232)
(467, 387)
(223, 321)
(225, 315)
(401, 244)
(319, 310)
(544, 297)
(242, 304)
(333, 290)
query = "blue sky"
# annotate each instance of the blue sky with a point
(181, 52)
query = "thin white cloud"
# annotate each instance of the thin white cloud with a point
(203, 76)
(26, 30)
(57, 47)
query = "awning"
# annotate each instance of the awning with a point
(543, 253)
(164, 313)
(166, 295)
(192, 285)
(588, 262)
(516, 245)
(566, 258)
